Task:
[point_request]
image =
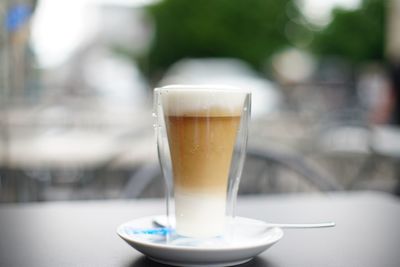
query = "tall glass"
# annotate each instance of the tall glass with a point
(202, 138)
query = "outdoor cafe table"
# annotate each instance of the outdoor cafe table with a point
(84, 233)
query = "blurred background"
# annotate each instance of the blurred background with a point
(76, 81)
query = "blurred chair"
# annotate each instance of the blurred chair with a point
(342, 139)
(140, 180)
(384, 146)
(260, 176)
(362, 157)
(275, 171)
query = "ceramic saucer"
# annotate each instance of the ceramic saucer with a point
(247, 238)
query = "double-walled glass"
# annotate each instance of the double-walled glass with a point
(202, 137)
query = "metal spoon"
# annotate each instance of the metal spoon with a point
(162, 222)
(302, 225)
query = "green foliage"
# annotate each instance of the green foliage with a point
(251, 30)
(356, 35)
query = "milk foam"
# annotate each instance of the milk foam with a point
(209, 100)
(200, 215)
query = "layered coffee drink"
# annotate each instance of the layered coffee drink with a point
(202, 125)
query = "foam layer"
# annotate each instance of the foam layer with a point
(202, 100)
(200, 215)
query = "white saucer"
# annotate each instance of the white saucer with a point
(248, 238)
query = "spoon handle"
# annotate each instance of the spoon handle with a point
(302, 225)
(162, 221)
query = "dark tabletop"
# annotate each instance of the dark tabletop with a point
(83, 233)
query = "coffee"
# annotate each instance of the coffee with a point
(201, 151)
(202, 126)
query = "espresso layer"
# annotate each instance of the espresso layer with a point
(201, 151)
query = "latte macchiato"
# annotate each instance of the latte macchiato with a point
(202, 125)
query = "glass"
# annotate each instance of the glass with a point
(202, 138)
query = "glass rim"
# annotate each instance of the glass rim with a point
(203, 88)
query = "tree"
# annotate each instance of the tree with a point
(356, 35)
(251, 30)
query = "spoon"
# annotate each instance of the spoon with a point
(162, 222)
(302, 225)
